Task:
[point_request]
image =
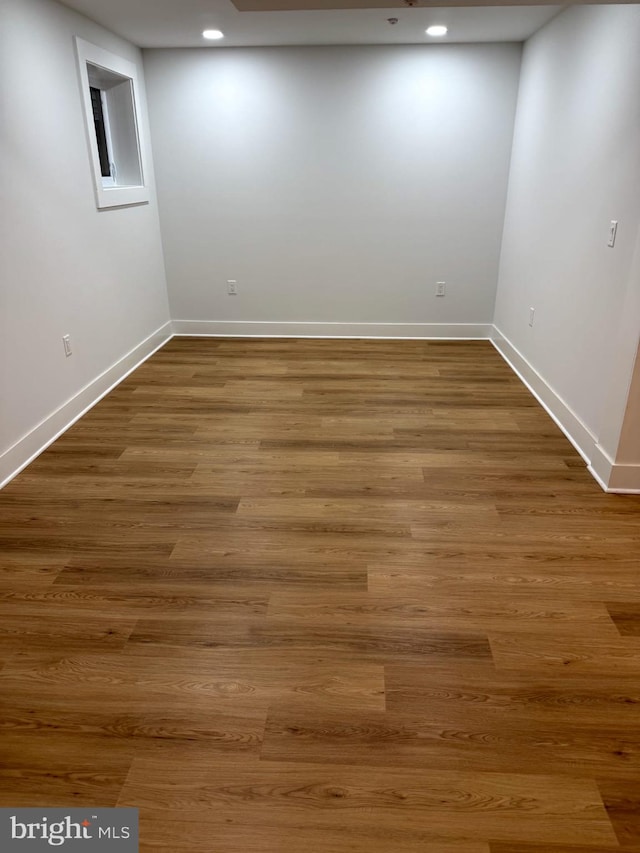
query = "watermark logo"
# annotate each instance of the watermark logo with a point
(72, 830)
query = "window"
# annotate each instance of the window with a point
(104, 148)
(109, 90)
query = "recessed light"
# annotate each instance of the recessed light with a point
(437, 30)
(212, 35)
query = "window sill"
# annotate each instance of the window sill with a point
(116, 196)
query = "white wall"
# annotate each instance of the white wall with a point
(334, 184)
(337, 185)
(65, 267)
(616, 461)
(576, 166)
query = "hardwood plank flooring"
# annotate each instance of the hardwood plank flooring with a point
(433, 804)
(337, 596)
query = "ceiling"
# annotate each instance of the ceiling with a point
(179, 23)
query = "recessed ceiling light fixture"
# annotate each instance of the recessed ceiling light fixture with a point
(437, 30)
(213, 35)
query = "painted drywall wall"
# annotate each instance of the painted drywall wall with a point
(616, 460)
(576, 166)
(335, 185)
(65, 267)
(628, 451)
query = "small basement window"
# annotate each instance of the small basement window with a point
(99, 121)
(109, 89)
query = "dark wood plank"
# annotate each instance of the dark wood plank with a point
(622, 802)
(626, 617)
(450, 737)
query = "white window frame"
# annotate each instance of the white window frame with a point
(107, 191)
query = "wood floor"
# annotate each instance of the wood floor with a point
(324, 596)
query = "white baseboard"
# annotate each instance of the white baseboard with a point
(623, 479)
(575, 430)
(47, 431)
(260, 329)
(611, 477)
(616, 478)
(601, 466)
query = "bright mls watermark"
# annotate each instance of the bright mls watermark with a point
(73, 830)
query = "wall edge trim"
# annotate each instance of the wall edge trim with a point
(16, 458)
(580, 436)
(304, 329)
(614, 478)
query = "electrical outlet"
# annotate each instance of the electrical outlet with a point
(532, 314)
(66, 340)
(441, 287)
(232, 287)
(613, 229)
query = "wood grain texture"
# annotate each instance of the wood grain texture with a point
(517, 847)
(337, 596)
(195, 837)
(436, 805)
(450, 738)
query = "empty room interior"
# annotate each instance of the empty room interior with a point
(320, 425)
